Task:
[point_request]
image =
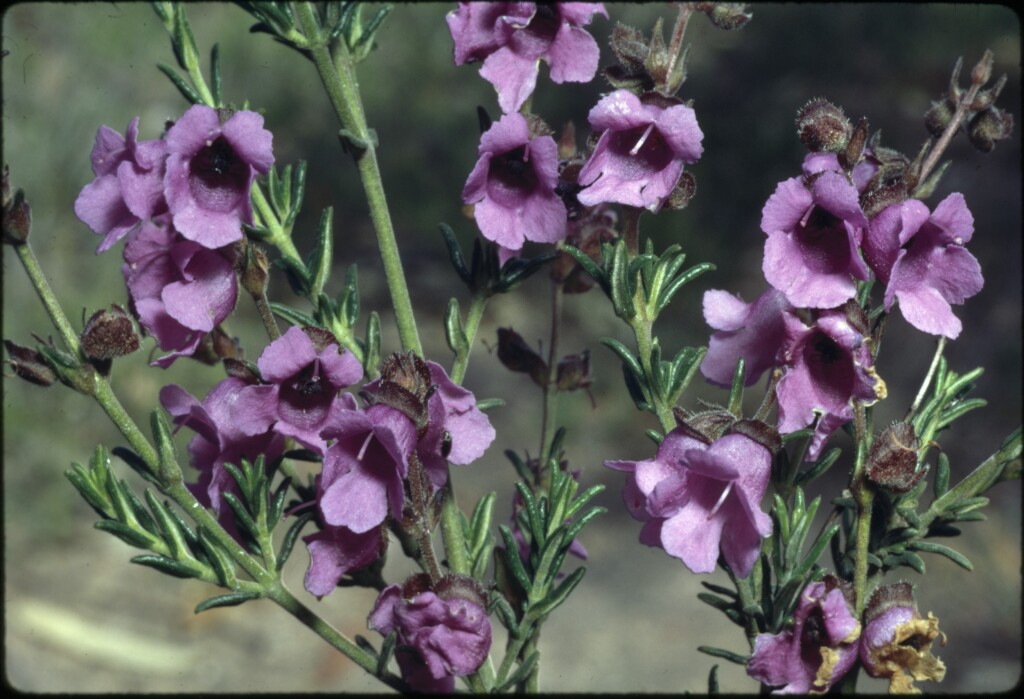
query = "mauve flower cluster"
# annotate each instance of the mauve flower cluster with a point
(511, 38)
(820, 245)
(181, 201)
(826, 640)
(415, 412)
(442, 630)
(700, 499)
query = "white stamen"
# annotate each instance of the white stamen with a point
(366, 444)
(721, 499)
(643, 139)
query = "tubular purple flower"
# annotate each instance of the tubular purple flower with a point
(128, 187)
(816, 652)
(218, 441)
(920, 257)
(210, 170)
(829, 366)
(365, 466)
(179, 289)
(814, 235)
(511, 38)
(756, 332)
(640, 154)
(512, 186)
(444, 629)
(335, 551)
(699, 500)
(304, 371)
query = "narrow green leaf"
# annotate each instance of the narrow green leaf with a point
(953, 555)
(97, 499)
(739, 376)
(231, 599)
(508, 617)
(168, 527)
(817, 549)
(372, 363)
(223, 567)
(186, 90)
(184, 41)
(621, 284)
(166, 565)
(323, 254)
(629, 361)
(820, 467)
(724, 654)
(215, 79)
(511, 557)
(583, 498)
(372, 27)
(130, 536)
(136, 462)
(167, 452)
(387, 649)
(560, 593)
(720, 590)
(959, 409)
(716, 601)
(453, 330)
(291, 315)
(521, 672)
(713, 680)
(588, 265)
(573, 529)
(455, 254)
(298, 189)
(480, 524)
(290, 537)
(941, 484)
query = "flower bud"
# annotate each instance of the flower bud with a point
(255, 270)
(17, 220)
(29, 365)
(937, 119)
(892, 461)
(986, 128)
(729, 15)
(109, 334)
(822, 126)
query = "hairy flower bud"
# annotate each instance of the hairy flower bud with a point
(822, 126)
(985, 129)
(109, 334)
(937, 119)
(892, 461)
(29, 365)
(728, 15)
(17, 219)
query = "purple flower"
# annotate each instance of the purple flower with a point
(335, 551)
(179, 289)
(452, 411)
(829, 365)
(365, 466)
(897, 641)
(210, 170)
(698, 499)
(640, 154)
(814, 235)
(816, 651)
(218, 440)
(921, 258)
(304, 370)
(444, 631)
(756, 332)
(512, 37)
(824, 162)
(128, 187)
(513, 186)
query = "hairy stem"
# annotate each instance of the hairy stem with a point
(343, 91)
(472, 325)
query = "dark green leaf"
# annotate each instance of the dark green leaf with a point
(387, 649)
(183, 86)
(953, 555)
(231, 599)
(511, 556)
(453, 330)
(132, 537)
(735, 405)
(724, 654)
(560, 593)
(521, 672)
(290, 537)
(215, 79)
(167, 565)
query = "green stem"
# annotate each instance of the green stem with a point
(451, 531)
(343, 91)
(643, 332)
(279, 238)
(864, 494)
(287, 601)
(472, 325)
(46, 295)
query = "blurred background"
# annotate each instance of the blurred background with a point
(79, 618)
